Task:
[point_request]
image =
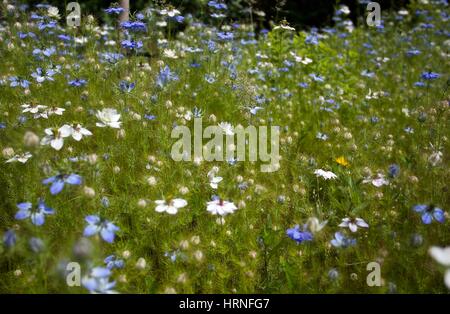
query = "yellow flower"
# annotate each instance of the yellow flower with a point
(342, 161)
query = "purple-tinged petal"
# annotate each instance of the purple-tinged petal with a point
(49, 180)
(439, 215)
(427, 218)
(92, 219)
(22, 214)
(107, 235)
(420, 208)
(38, 219)
(73, 179)
(24, 206)
(57, 187)
(90, 230)
(100, 272)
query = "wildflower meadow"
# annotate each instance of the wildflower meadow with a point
(172, 152)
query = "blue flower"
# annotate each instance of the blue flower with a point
(312, 39)
(217, 5)
(126, 86)
(110, 57)
(429, 212)
(316, 78)
(113, 262)
(96, 225)
(165, 75)
(36, 214)
(15, 82)
(105, 201)
(58, 182)
(393, 170)
(77, 82)
(41, 75)
(113, 10)
(98, 281)
(341, 241)
(36, 244)
(129, 44)
(298, 234)
(225, 35)
(10, 238)
(429, 76)
(134, 25)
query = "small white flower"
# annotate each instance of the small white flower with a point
(379, 181)
(213, 179)
(283, 26)
(299, 59)
(172, 206)
(353, 224)
(108, 117)
(55, 110)
(227, 128)
(214, 182)
(56, 137)
(325, 174)
(435, 158)
(170, 13)
(78, 132)
(53, 12)
(22, 158)
(442, 256)
(170, 53)
(314, 225)
(344, 9)
(221, 207)
(38, 111)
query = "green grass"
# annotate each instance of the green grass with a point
(251, 251)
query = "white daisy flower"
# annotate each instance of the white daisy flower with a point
(221, 207)
(78, 132)
(53, 12)
(325, 174)
(108, 117)
(38, 111)
(22, 158)
(56, 137)
(353, 224)
(55, 110)
(170, 207)
(442, 256)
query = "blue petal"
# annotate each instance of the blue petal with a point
(107, 235)
(339, 236)
(90, 230)
(427, 218)
(439, 215)
(420, 208)
(57, 187)
(90, 284)
(112, 227)
(48, 210)
(100, 272)
(49, 180)
(73, 179)
(37, 219)
(92, 219)
(109, 259)
(24, 206)
(335, 243)
(22, 214)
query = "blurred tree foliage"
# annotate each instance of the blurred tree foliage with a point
(299, 13)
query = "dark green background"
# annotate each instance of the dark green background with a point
(298, 12)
